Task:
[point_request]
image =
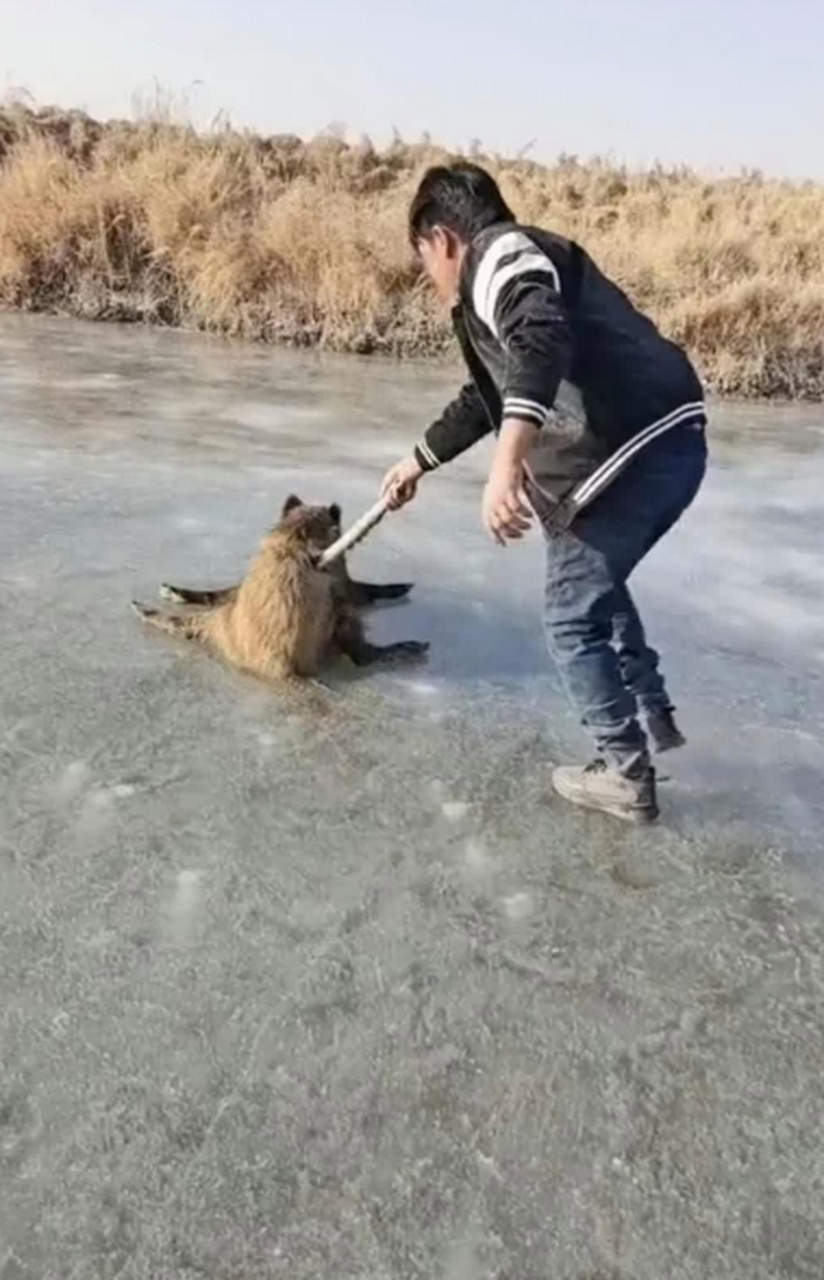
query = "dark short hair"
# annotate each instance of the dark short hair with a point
(462, 197)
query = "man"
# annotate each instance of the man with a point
(601, 428)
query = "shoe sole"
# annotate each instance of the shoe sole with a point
(634, 817)
(661, 748)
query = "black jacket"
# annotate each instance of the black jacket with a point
(547, 337)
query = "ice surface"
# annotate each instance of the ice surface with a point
(337, 989)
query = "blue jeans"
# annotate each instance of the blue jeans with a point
(593, 628)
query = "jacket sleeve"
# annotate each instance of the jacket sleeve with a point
(518, 297)
(462, 423)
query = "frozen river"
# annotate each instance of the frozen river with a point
(344, 994)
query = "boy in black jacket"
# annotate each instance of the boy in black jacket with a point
(601, 434)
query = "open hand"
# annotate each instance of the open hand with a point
(400, 484)
(506, 515)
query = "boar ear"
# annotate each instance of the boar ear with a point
(291, 502)
(334, 513)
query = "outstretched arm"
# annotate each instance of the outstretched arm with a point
(463, 422)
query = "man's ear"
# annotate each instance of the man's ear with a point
(450, 241)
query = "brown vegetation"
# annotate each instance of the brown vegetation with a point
(276, 239)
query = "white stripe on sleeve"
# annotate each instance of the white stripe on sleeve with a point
(493, 272)
(429, 455)
(515, 407)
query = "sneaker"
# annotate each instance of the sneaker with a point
(663, 731)
(598, 786)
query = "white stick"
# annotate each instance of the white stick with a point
(355, 532)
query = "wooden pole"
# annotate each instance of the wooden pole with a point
(355, 533)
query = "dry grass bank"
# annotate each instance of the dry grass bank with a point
(275, 239)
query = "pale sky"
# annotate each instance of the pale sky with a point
(717, 84)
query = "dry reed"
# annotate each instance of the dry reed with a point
(275, 239)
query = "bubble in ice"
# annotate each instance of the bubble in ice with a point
(455, 810)
(22, 581)
(95, 813)
(72, 780)
(422, 688)
(476, 857)
(183, 905)
(517, 906)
